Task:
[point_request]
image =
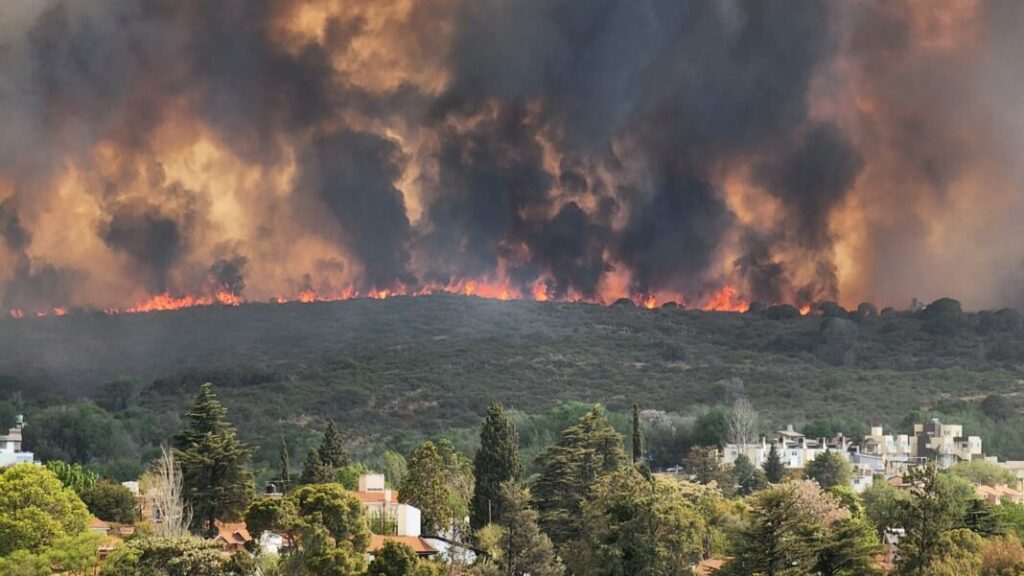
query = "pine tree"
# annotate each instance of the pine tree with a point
(773, 469)
(425, 487)
(524, 548)
(314, 471)
(586, 452)
(496, 462)
(286, 467)
(214, 463)
(332, 449)
(638, 439)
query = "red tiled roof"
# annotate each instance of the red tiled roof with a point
(232, 532)
(709, 566)
(97, 524)
(419, 545)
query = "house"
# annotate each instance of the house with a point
(401, 522)
(419, 545)
(944, 443)
(894, 451)
(383, 508)
(998, 494)
(10, 446)
(1017, 468)
(232, 536)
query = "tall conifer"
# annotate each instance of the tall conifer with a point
(496, 462)
(214, 463)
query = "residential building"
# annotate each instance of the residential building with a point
(944, 443)
(894, 451)
(998, 494)
(232, 536)
(10, 446)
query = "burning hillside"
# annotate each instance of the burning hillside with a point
(164, 154)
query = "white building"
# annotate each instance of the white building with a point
(10, 446)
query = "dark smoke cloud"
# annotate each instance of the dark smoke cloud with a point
(565, 142)
(12, 232)
(153, 241)
(229, 274)
(354, 174)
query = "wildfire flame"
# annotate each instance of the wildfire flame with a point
(727, 300)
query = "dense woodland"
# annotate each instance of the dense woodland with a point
(106, 390)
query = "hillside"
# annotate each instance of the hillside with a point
(428, 364)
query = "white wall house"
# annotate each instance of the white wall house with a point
(10, 446)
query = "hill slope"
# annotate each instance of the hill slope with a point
(431, 363)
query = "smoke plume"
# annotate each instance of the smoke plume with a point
(651, 149)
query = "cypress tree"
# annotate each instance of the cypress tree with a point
(773, 469)
(496, 462)
(638, 439)
(214, 463)
(586, 452)
(332, 449)
(286, 467)
(314, 471)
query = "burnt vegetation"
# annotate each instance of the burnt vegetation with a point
(393, 371)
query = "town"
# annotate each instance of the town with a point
(857, 505)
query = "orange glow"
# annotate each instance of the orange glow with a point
(650, 302)
(727, 300)
(805, 310)
(306, 296)
(60, 311)
(227, 298)
(540, 292)
(15, 313)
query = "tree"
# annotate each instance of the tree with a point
(285, 467)
(327, 524)
(984, 473)
(829, 469)
(394, 559)
(75, 555)
(332, 449)
(165, 486)
(425, 487)
(522, 548)
(773, 468)
(110, 502)
(586, 452)
(398, 559)
(638, 438)
(184, 556)
(790, 527)
(634, 523)
(935, 507)
(881, 505)
(214, 463)
(742, 423)
(118, 395)
(36, 509)
(336, 509)
(849, 548)
(711, 428)
(73, 475)
(314, 471)
(747, 476)
(496, 462)
(1002, 556)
